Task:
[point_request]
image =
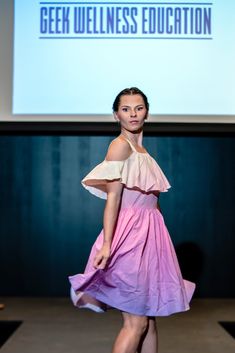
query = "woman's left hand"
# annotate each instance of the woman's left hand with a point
(102, 257)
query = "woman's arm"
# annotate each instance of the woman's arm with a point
(114, 190)
(118, 150)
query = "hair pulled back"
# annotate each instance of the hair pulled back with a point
(129, 92)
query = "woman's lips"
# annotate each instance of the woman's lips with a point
(134, 122)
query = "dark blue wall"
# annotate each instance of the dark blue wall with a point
(48, 221)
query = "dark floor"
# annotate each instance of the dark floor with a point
(54, 325)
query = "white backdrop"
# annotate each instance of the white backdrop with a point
(181, 54)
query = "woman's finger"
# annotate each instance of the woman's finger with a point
(101, 265)
(97, 261)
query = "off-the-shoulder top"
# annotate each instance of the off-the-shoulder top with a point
(138, 171)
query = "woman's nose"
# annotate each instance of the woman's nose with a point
(133, 112)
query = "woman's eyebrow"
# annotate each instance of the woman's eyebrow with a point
(128, 106)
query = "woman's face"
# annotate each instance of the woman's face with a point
(131, 112)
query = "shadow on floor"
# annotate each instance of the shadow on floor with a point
(7, 328)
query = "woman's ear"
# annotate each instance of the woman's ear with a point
(116, 117)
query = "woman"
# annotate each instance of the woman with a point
(132, 265)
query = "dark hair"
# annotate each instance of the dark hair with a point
(129, 91)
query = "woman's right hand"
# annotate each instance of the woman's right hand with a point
(102, 257)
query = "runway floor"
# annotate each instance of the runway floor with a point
(53, 325)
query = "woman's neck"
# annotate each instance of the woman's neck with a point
(135, 137)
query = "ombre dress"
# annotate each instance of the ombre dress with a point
(142, 275)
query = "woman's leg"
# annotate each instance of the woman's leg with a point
(134, 326)
(149, 341)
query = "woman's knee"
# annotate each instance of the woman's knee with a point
(152, 326)
(137, 324)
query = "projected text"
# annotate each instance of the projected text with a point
(120, 21)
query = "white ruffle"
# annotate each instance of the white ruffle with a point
(139, 171)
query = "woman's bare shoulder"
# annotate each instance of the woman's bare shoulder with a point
(118, 150)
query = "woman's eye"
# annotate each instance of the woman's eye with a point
(124, 109)
(140, 108)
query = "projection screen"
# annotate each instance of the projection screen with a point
(72, 58)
